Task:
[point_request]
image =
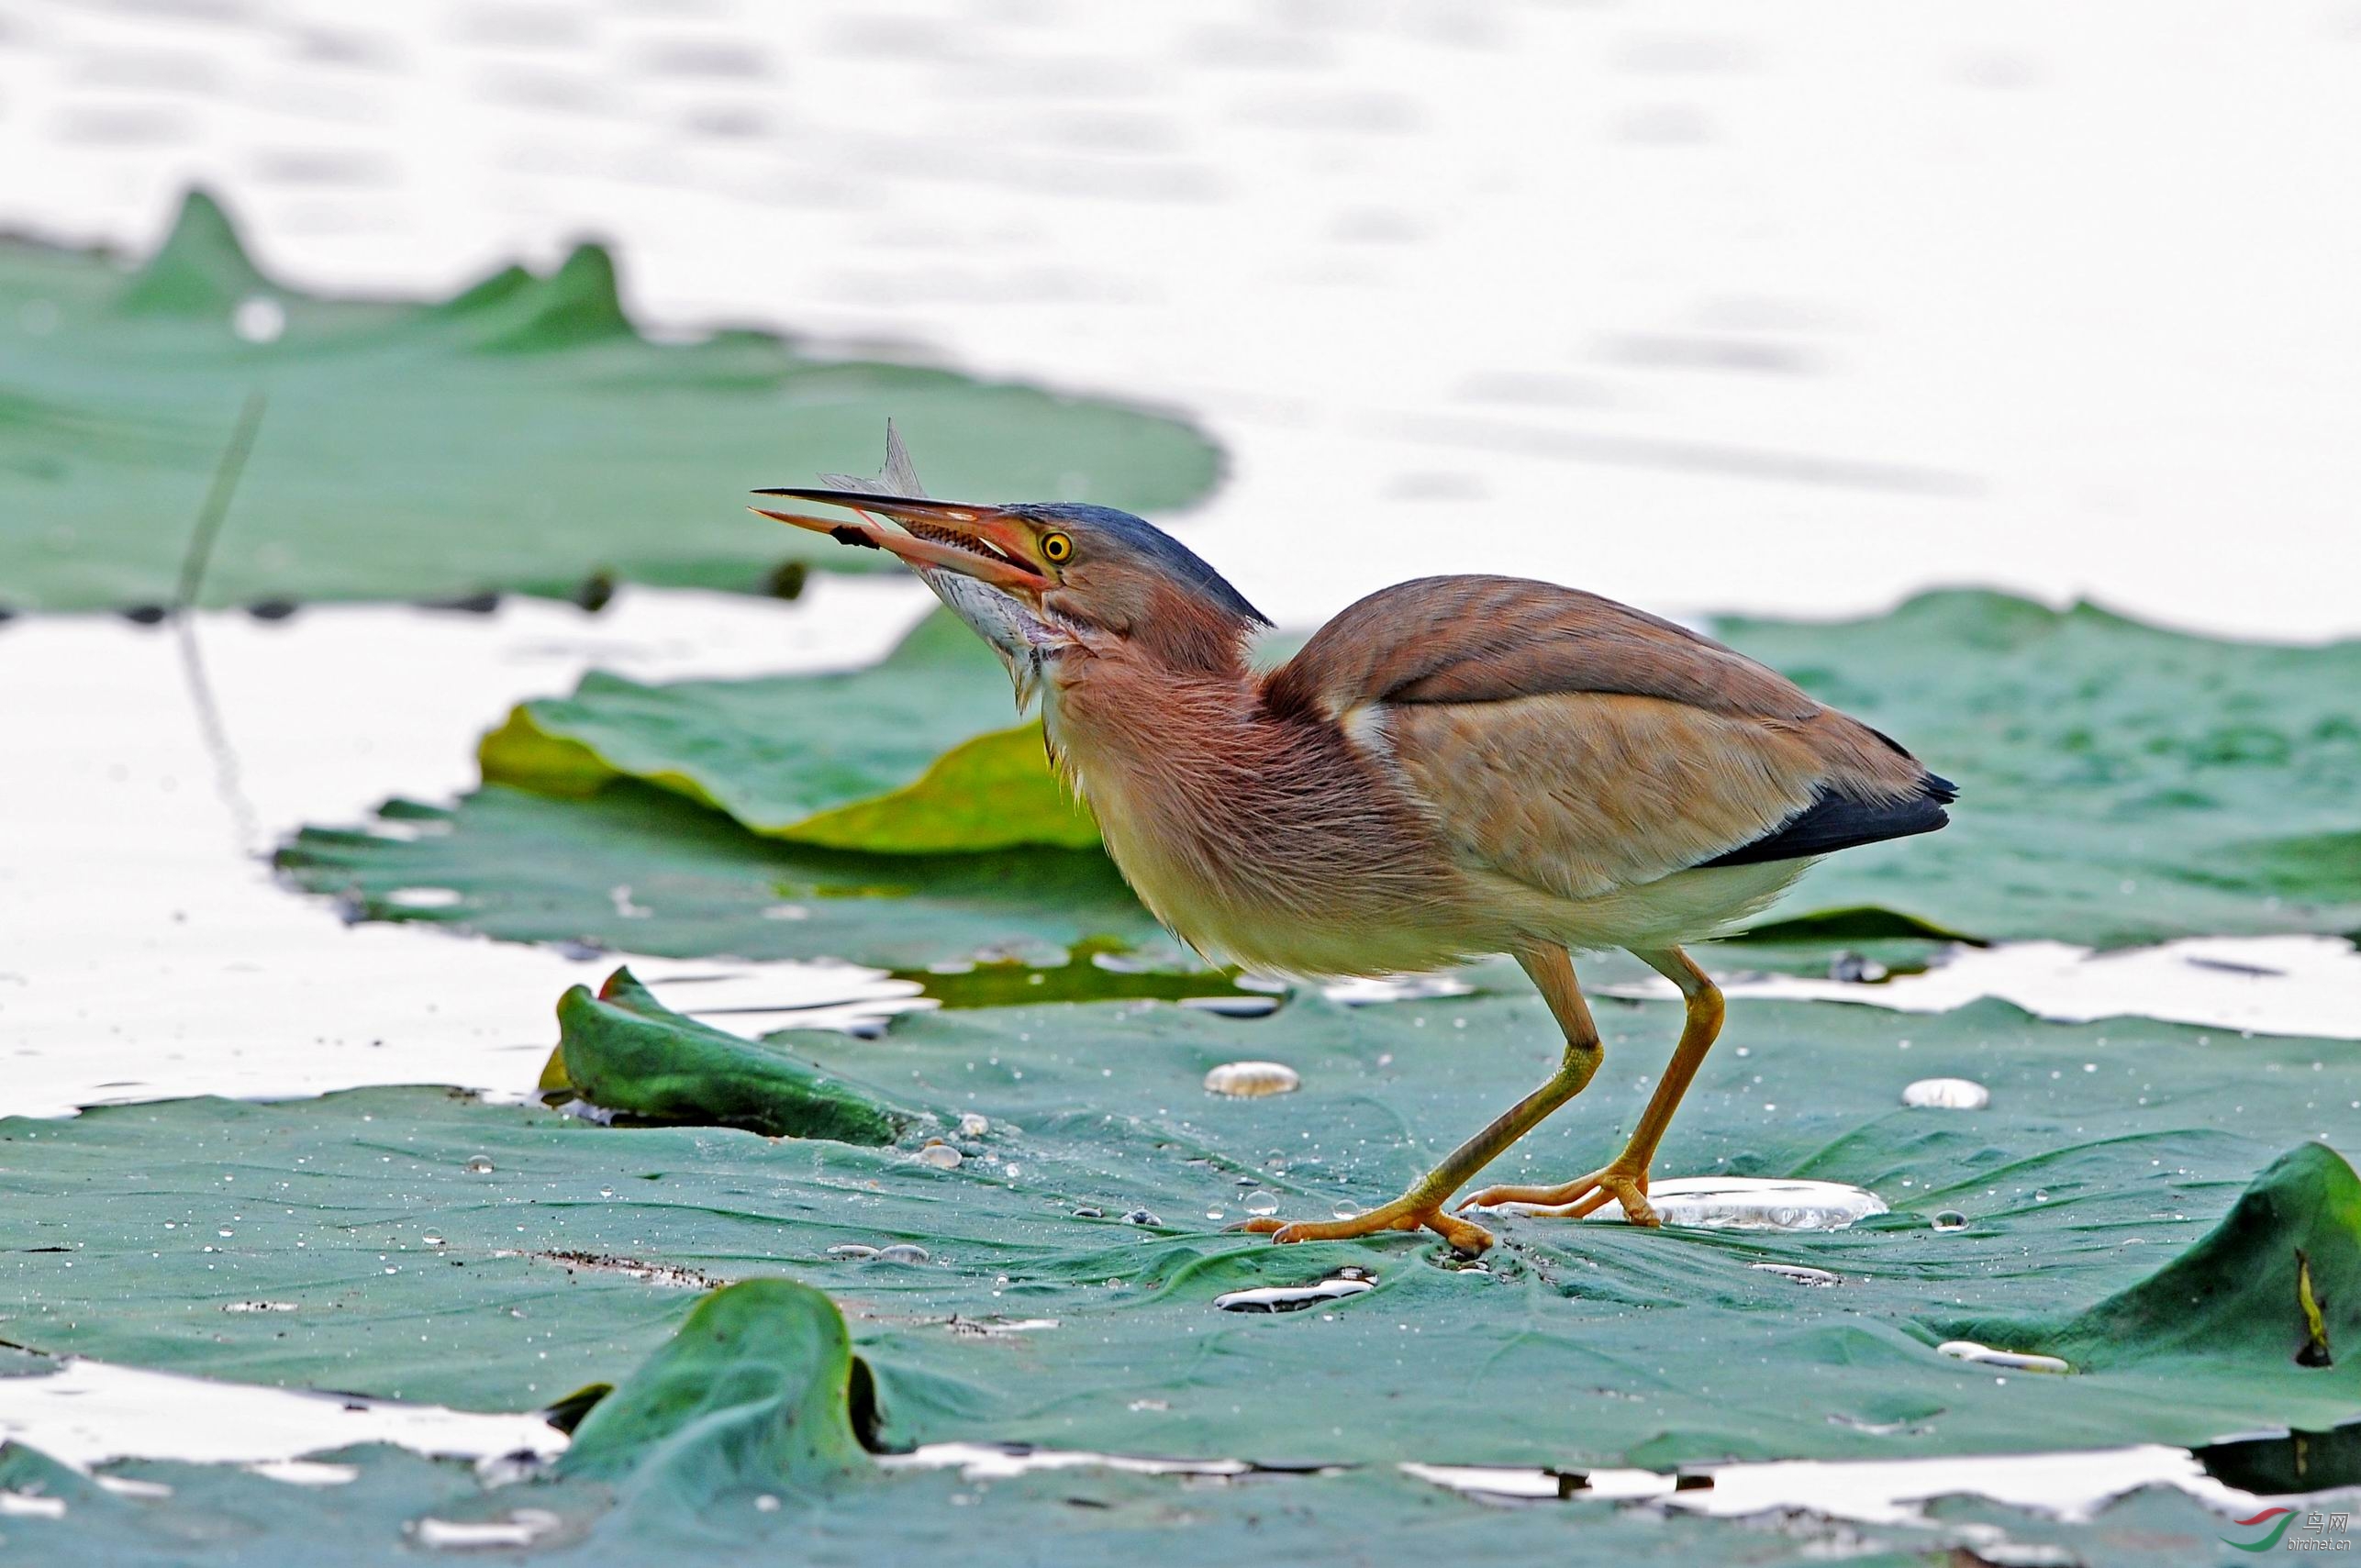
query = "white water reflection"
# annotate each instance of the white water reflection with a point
(1754, 1203)
(90, 1412)
(2072, 1485)
(153, 955)
(2291, 985)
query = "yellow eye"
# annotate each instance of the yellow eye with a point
(1056, 548)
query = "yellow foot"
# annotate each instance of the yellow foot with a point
(1464, 1236)
(1572, 1200)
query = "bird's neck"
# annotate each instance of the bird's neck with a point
(1120, 725)
(1230, 821)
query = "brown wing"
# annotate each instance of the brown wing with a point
(1487, 639)
(1581, 746)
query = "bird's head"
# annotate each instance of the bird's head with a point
(1037, 577)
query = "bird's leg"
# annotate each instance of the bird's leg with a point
(1624, 1179)
(1422, 1205)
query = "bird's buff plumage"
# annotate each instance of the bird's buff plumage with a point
(1453, 767)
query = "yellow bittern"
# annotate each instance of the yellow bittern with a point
(1453, 767)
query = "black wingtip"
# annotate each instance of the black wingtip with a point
(1834, 822)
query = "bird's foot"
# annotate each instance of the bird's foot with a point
(1464, 1236)
(1617, 1183)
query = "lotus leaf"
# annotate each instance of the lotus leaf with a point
(1089, 1203)
(522, 435)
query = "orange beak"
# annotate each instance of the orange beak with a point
(986, 543)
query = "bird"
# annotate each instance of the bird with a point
(1452, 768)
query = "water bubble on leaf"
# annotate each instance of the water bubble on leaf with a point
(1262, 1203)
(1949, 1220)
(903, 1253)
(1798, 1274)
(1253, 1079)
(1947, 1095)
(1296, 1297)
(606, 1192)
(259, 318)
(941, 1156)
(852, 1250)
(2020, 1361)
(1344, 1211)
(479, 1165)
(1141, 1217)
(974, 1126)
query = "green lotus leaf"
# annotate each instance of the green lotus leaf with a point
(2120, 783)
(2278, 1282)
(522, 435)
(535, 868)
(913, 755)
(2108, 1155)
(754, 1392)
(624, 1051)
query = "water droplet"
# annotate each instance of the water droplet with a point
(852, 1250)
(1141, 1217)
(2040, 1196)
(1949, 1220)
(431, 1239)
(974, 1126)
(941, 1156)
(1344, 1211)
(1253, 1079)
(2019, 1360)
(1296, 1297)
(1088, 1212)
(1754, 1203)
(1262, 1203)
(606, 1192)
(259, 318)
(1947, 1095)
(479, 1165)
(1216, 1213)
(903, 1253)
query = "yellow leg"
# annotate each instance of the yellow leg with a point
(1553, 972)
(1624, 1179)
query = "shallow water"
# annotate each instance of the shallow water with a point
(1697, 311)
(156, 957)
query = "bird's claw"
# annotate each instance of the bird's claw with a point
(1573, 1200)
(1464, 1236)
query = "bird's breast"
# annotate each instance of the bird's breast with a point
(1282, 844)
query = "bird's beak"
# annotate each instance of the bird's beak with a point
(986, 543)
